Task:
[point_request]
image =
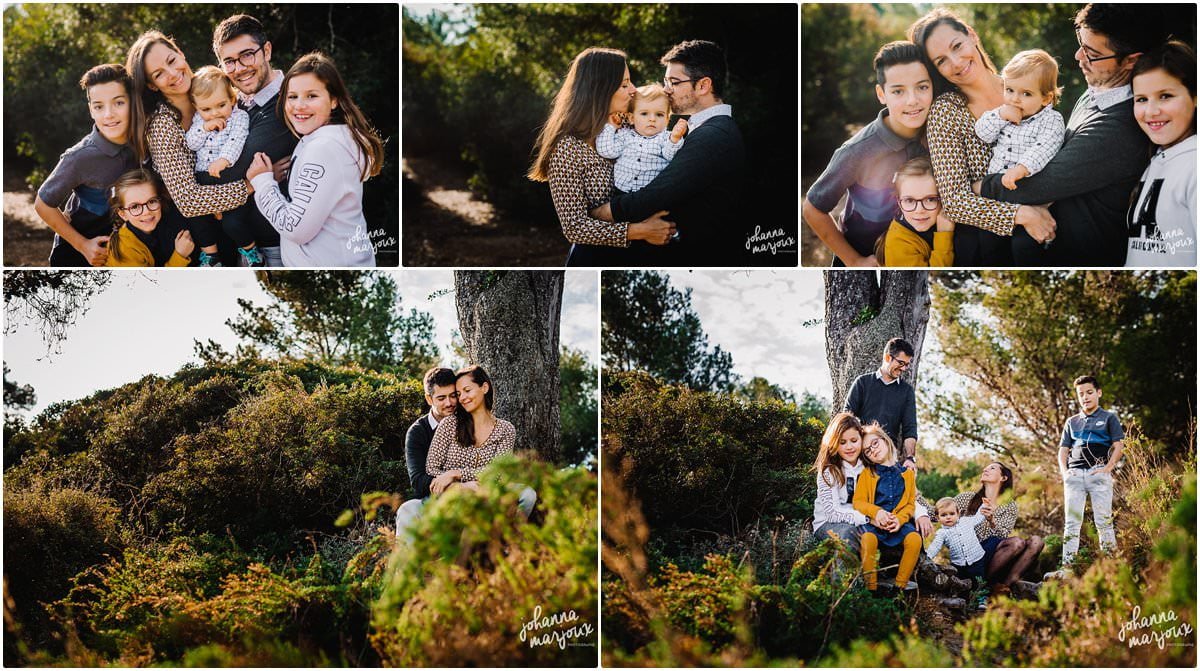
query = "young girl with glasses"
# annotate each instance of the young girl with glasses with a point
(922, 236)
(137, 240)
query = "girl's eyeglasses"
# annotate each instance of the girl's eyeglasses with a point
(910, 204)
(137, 208)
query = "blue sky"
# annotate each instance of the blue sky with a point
(146, 321)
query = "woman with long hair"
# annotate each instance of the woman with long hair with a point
(838, 466)
(1007, 556)
(322, 223)
(967, 85)
(467, 441)
(597, 85)
(159, 118)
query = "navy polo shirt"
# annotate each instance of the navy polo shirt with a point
(1090, 438)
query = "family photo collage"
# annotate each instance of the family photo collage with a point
(583, 335)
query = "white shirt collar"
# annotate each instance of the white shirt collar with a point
(700, 117)
(433, 423)
(1106, 98)
(855, 469)
(879, 376)
(265, 93)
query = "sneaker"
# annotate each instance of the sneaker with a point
(1060, 574)
(209, 261)
(981, 602)
(251, 258)
(1027, 591)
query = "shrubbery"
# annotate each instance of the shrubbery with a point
(708, 461)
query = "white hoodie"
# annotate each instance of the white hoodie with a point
(1162, 223)
(322, 224)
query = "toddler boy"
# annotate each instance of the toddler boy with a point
(643, 152)
(1026, 130)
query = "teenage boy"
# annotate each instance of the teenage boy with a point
(1087, 454)
(862, 169)
(86, 172)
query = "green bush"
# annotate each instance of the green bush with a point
(49, 537)
(461, 596)
(708, 461)
(710, 604)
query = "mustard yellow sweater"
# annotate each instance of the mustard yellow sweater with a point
(904, 248)
(864, 495)
(135, 253)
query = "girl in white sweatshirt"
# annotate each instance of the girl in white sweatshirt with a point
(321, 223)
(1162, 220)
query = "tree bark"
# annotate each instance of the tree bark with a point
(862, 312)
(510, 325)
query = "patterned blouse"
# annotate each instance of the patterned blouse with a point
(1005, 517)
(175, 163)
(959, 158)
(445, 454)
(580, 179)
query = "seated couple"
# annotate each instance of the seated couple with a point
(449, 446)
(676, 189)
(968, 167)
(866, 497)
(173, 157)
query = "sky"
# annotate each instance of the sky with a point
(146, 322)
(758, 316)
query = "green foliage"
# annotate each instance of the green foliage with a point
(47, 48)
(49, 536)
(647, 324)
(760, 390)
(514, 57)
(251, 449)
(707, 461)
(906, 649)
(577, 406)
(707, 604)
(480, 572)
(334, 317)
(1017, 345)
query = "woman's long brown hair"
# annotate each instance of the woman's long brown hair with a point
(581, 105)
(920, 31)
(364, 134)
(145, 100)
(466, 423)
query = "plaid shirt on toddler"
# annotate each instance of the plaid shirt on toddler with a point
(1031, 143)
(639, 158)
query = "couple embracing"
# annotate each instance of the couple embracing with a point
(677, 187)
(448, 447)
(176, 155)
(867, 493)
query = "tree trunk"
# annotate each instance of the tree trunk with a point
(863, 311)
(510, 324)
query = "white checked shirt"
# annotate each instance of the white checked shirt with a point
(226, 143)
(1031, 143)
(639, 158)
(961, 539)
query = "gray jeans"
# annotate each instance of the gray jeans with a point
(271, 256)
(1077, 487)
(410, 512)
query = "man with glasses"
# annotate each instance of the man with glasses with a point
(1104, 152)
(701, 187)
(244, 52)
(881, 396)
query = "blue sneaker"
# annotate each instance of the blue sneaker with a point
(251, 257)
(209, 261)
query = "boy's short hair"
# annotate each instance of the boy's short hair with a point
(895, 53)
(945, 502)
(438, 377)
(209, 80)
(1041, 63)
(915, 167)
(700, 59)
(105, 73)
(236, 26)
(650, 93)
(1087, 379)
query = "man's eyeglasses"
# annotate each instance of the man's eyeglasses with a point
(902, 363)
(136, 209)
(910, 204)
(246, 58)
(1088, 56)
(669, 83)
